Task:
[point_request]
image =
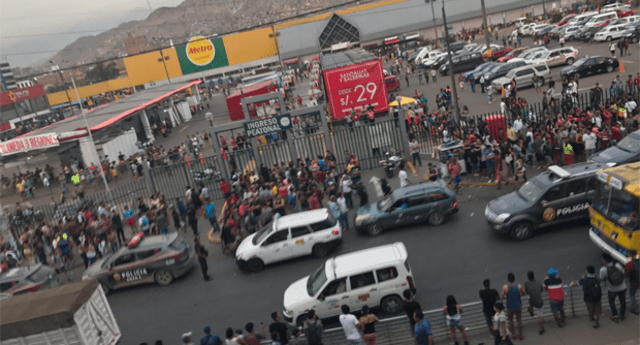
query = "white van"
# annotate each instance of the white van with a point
(376, 277)
(615, 7)
(521, 21)
(303, 233)
(581, 19)
(626, 20)
(601, 19)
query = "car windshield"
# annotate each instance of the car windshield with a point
(531, 190)
(384, 203)
(579, 62)
(40, 274)
(316, 281)
(631, 143)
(262, 234)
(496, 68)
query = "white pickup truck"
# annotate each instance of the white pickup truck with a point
(72, 314)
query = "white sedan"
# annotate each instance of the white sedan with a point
(610, 33)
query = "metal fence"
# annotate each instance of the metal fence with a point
(173, 179)
(121, 195)
(396, 330)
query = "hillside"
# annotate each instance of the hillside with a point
(190, 18)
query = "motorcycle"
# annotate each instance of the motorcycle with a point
(391, 163)
(208, 174)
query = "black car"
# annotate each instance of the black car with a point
(591, 65)
(500, 71)
(558, 195)
(463, 62)
(626, 151)
(441, 60)
(587, 33)
(634, 34)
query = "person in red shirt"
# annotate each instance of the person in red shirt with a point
(314, 202)
(631, 271)
(616, 134)
(224, 187)
(553, 285)
(299, 100)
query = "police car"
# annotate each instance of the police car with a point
(558, 195)
(158, 259)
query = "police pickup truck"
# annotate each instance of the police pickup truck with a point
(558, 195)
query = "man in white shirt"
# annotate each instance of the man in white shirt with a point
(630, 105)
(350, 326)
(402, 175)
(346, 189)
(590, 140)
(46, 183)
(517, 125)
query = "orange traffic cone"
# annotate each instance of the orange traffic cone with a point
(621, 67)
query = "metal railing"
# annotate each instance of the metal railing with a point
(396, 330)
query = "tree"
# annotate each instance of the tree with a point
(101, 72)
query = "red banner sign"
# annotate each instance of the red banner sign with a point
(355, 87)
(30, 143)
(17, 95)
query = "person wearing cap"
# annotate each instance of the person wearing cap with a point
(208, 338)
(553, 286)
(186, 338)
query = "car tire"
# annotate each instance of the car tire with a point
(391, 304)
(301, 319)
(570, 38)
(570, 61)
(634, 39)
(320, 250)
(389, 173)
(436, 218)
(608, 38)
(540, 82)
(609, 69)
(163, 277)
(255, 265)
(521, 231)
(105, 288)
(374, 229)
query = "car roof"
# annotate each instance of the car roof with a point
(302, 218)
(556, 173)
(417, 188)
(156, 241)
(19, 273)
(365, 260)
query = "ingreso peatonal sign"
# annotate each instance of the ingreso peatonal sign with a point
(29, 143)
(267, 125)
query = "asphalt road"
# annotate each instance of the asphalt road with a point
(451, 259)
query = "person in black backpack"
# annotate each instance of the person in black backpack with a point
(632, 271)
(613, 274)
(313, 329)
(592, 294)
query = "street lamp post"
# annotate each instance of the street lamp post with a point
(93, 144)
(57, 67)
(166, 71)
(209, 117)
(456, 109)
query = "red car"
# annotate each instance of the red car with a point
(498, 53)
(565, 20)
(513, 54)
(392, 83)
(622, 14)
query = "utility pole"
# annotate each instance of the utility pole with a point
(486, 29)
(456, 109)
(433, 14)
(544, 10)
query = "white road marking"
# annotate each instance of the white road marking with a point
(472, 214)
(183, 128)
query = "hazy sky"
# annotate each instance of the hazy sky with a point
(25, 25)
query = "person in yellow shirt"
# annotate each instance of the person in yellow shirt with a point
(20, 187)
(568, 152)
(511, 134)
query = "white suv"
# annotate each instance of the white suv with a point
(523, 77)
(376, 277)
(310, 232)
